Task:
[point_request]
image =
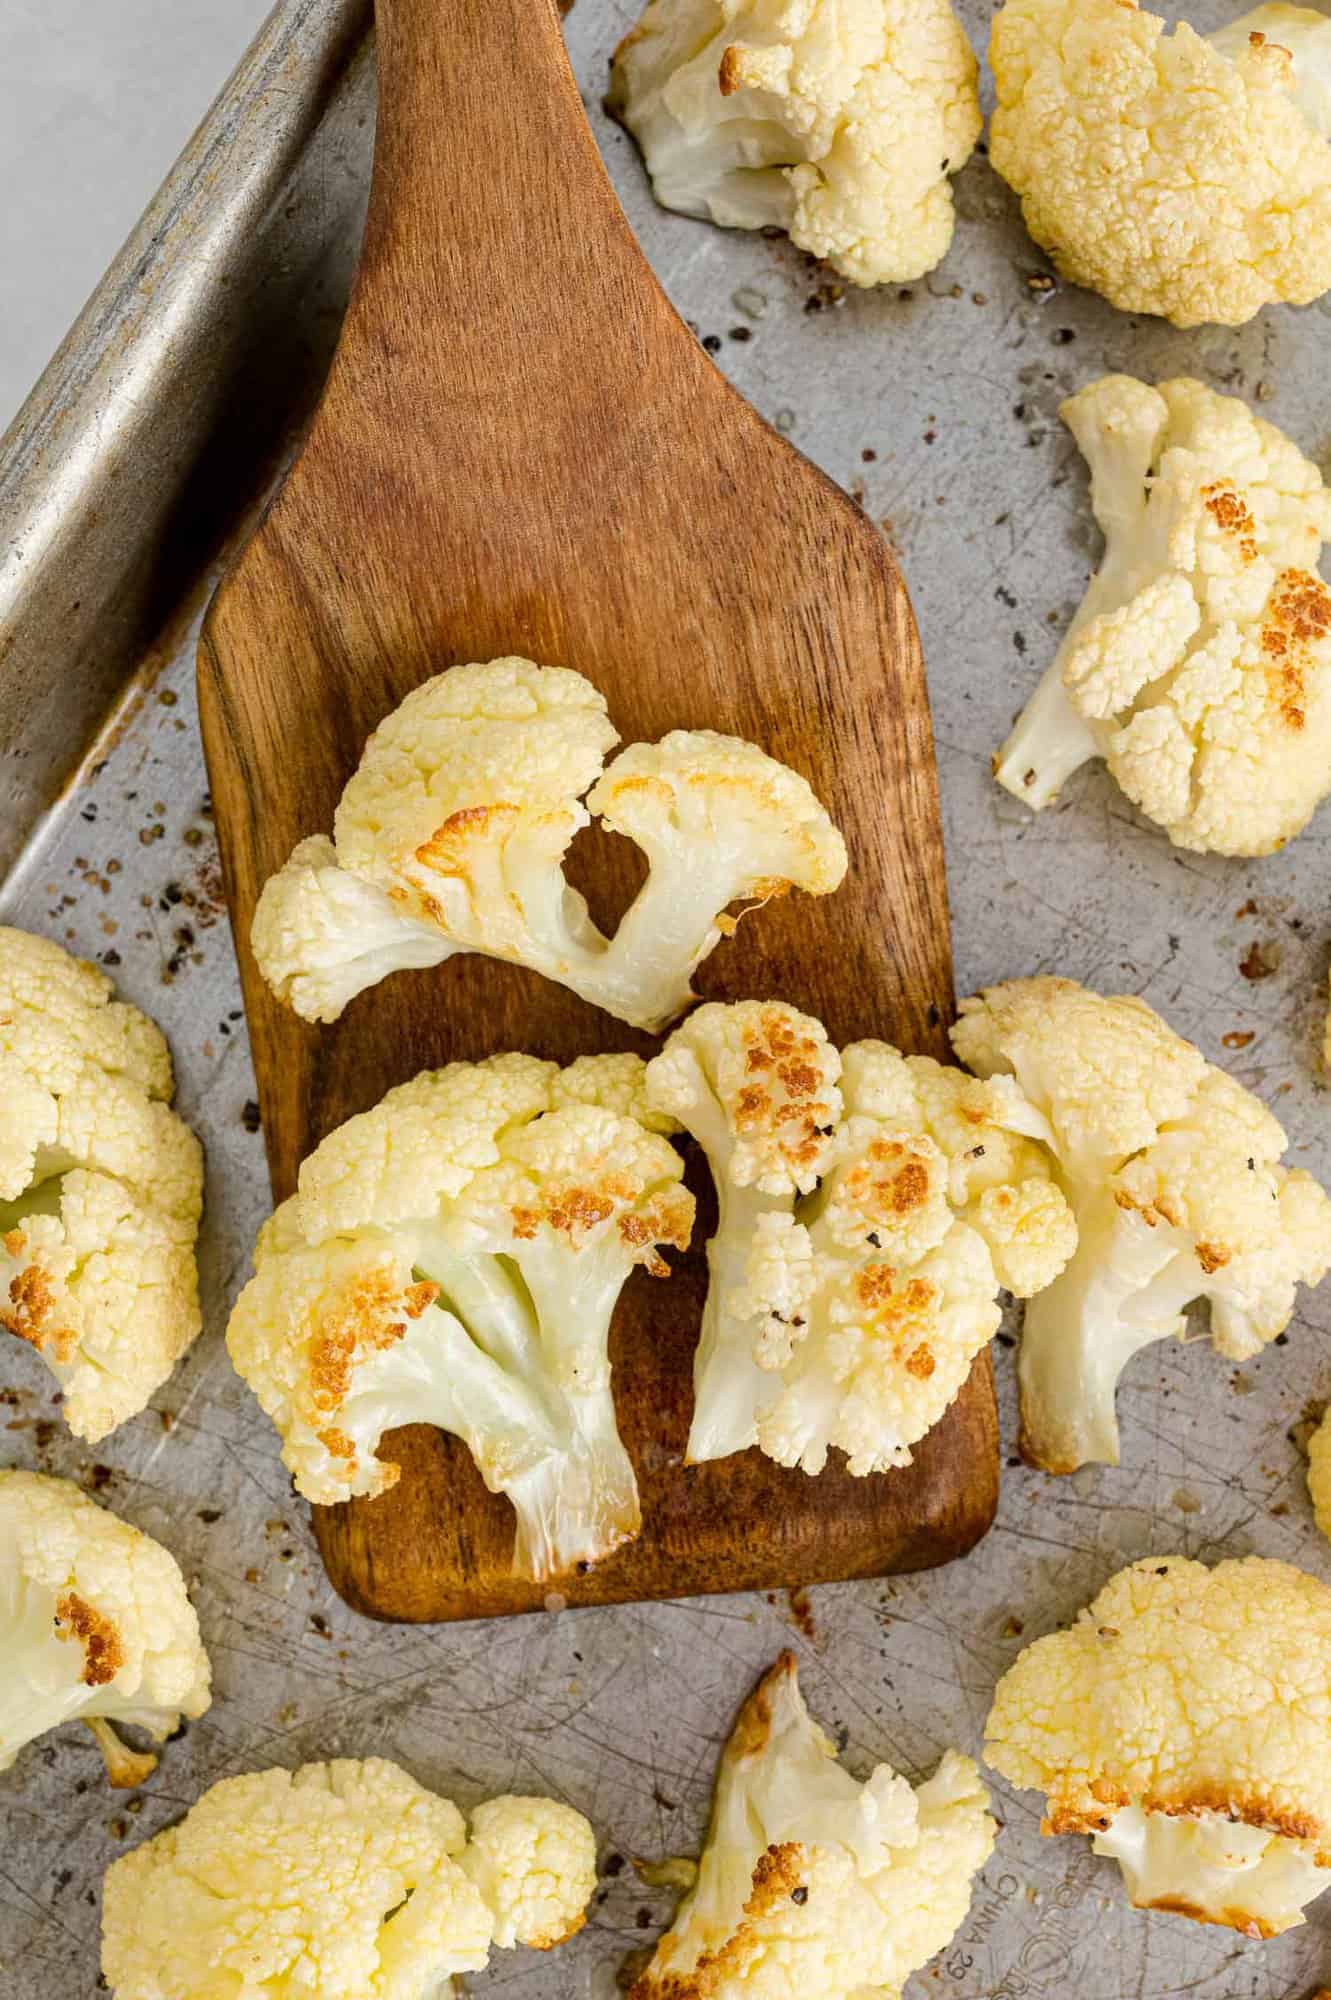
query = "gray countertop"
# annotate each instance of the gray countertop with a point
(938, 409)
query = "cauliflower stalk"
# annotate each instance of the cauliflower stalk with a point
(870, 1207)
(1138, 1726)
(451, 837)
(838, 123)
(454, 1257)
(346, 1880)
(1173, 174)
(97, 1626)
(1173, 1173)
(811, 1883)
(1199, 664)
(101, 1187)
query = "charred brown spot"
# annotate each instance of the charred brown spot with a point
(32, 1313)
(730, 76)
(338, 1445)
(1211, 1258)
(1298, 618)
(800, 1079)
(369, 1316)
(920, 1363)
(1230, 513)
(103, 1653)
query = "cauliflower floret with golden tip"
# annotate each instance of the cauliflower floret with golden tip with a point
(451, 837)
(839, 123)
(756, 1084)
(101, 1187)
(929, 1206)
(1184, 1721)
(1199, 664)
(812, 1884)
(1173, 1173)
(870, 1206)
(97, 1626)
(454, 1257)
(1172, 174)
(346, 1880)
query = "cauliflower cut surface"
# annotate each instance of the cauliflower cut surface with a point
(454, 1257)
(451, 837)
(97, 1625)
(345, 1880)
(1172, 174)
(812, 1884)
(1173, 1173)
(101, 1187)
(870, 1206)
(1199, 665)
(1185, 1722)
(839, 121)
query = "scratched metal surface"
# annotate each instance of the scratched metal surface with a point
(938, 410)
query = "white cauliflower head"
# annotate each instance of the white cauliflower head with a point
(839, 121)
(454, 1256)
(97, 1626)
(1199, 665)
(451, 837)
(870, 1205)
(1173, 1173)
(1185, 1722)
(1172, 174)
(811, 1884)
(346, 1880)
(101, 1187)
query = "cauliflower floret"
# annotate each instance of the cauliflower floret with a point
(454, 1257)
(97, 1626)
(1172, 1172)
(101, 1187)
(849, 1313)
(814, 1885)
(1184, 1721)
(925, 1212)
(534, 1862)
(346, 1880)
(451, 837)
(1172, 175)
(1199, 665)
(838, 123)
(755, 1083)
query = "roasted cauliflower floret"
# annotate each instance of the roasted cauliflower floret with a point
(1185, 1722)
(1173, 1173)
(96, 1626)
(451, 837)
(814, 1885)
(101, 1187)
(345, 1880)
(1199, 665)
(870, 1206)
(875, 1301)
(756, 1084)
(454, 1257)
(1172, 174)
(839, 123)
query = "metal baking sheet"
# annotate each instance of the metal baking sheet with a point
(936, 406)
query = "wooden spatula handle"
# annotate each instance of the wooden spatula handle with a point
(480, 129)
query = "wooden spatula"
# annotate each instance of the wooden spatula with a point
(521, 449)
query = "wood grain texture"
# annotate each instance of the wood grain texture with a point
(522, 449)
